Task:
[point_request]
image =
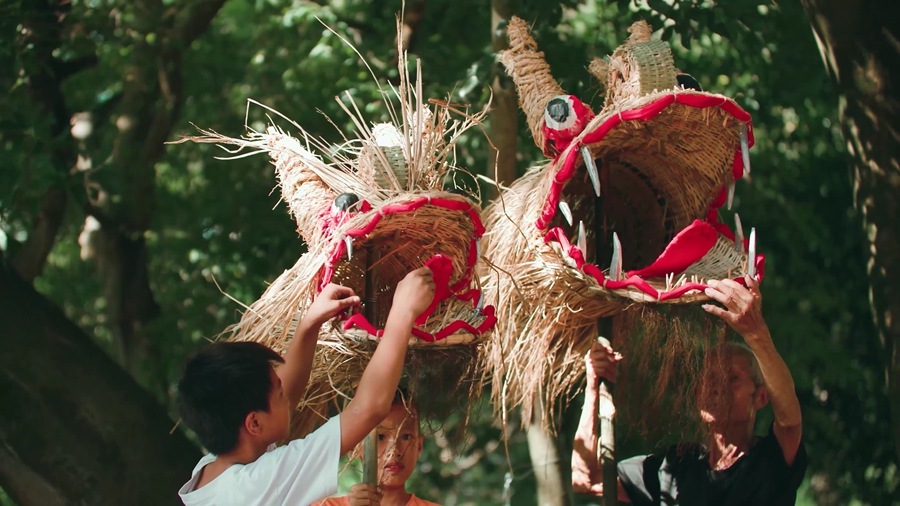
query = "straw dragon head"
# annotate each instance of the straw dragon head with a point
(624, 212)
(370, 210)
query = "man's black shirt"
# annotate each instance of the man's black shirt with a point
(682, 476)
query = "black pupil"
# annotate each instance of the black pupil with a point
(345, 200)
(558, 109)
(688, 81)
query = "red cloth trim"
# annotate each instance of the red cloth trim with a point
(360, 321)
(557, 234)
(713, 218)
(700, 101)
(686, 248)
(632, 281)
(760, 265)
(441, 269)
(471, 295)
(595, 272)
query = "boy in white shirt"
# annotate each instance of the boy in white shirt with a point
(238, 397)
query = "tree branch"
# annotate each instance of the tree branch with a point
(30, 259)
(196, 23)
(26, 487)
(75, 418)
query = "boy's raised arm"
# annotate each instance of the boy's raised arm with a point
(379, 381)
(298, 360)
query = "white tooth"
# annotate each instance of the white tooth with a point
(730, 194)
(591, 168)
(615, 265)
(745, 148)
(738, 234)
(582, 239)
(566, 211)
(751, 260)
(348, 243)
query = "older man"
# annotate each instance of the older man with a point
(734, 467)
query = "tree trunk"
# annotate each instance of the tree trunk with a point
(75, 428)
(151, 101)
(552, 485)
(504, 116)
(860, 45)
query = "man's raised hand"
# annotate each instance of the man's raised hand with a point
(743, 307)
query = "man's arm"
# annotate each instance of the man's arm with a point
(298, 360)
(379, 381)
(744, 313)
(587, 471)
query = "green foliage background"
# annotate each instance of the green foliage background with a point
(215, 219)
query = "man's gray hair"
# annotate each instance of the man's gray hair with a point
(742, 350)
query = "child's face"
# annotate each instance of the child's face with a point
(399, 446)
(277, 421)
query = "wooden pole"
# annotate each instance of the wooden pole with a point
(370, 310)
(606, 408)
(606, 444)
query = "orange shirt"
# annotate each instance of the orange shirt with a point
(343, 501)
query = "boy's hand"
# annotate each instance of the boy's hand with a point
(602, 362)
(414, 292)
(332, 300)
(363, 494)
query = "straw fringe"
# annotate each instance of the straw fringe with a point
(546, 312)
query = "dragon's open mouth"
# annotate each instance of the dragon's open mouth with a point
(651, 187)
(441, 231)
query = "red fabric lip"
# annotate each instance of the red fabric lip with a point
(359, 321)
(683, 250)
(440, 265)
(441, 268)
(678, 257)
(569, 157)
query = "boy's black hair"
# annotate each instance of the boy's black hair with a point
(403, 398)
(221, 384)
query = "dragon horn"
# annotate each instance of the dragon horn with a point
(531, 73)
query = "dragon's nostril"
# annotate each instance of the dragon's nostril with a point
(558, 109)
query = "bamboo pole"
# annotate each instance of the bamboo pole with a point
(370, 446)
(606, 444)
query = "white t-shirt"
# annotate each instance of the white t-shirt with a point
(297, 474)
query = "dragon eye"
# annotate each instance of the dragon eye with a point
(345, 200)
(688, 82)
(560, 114)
